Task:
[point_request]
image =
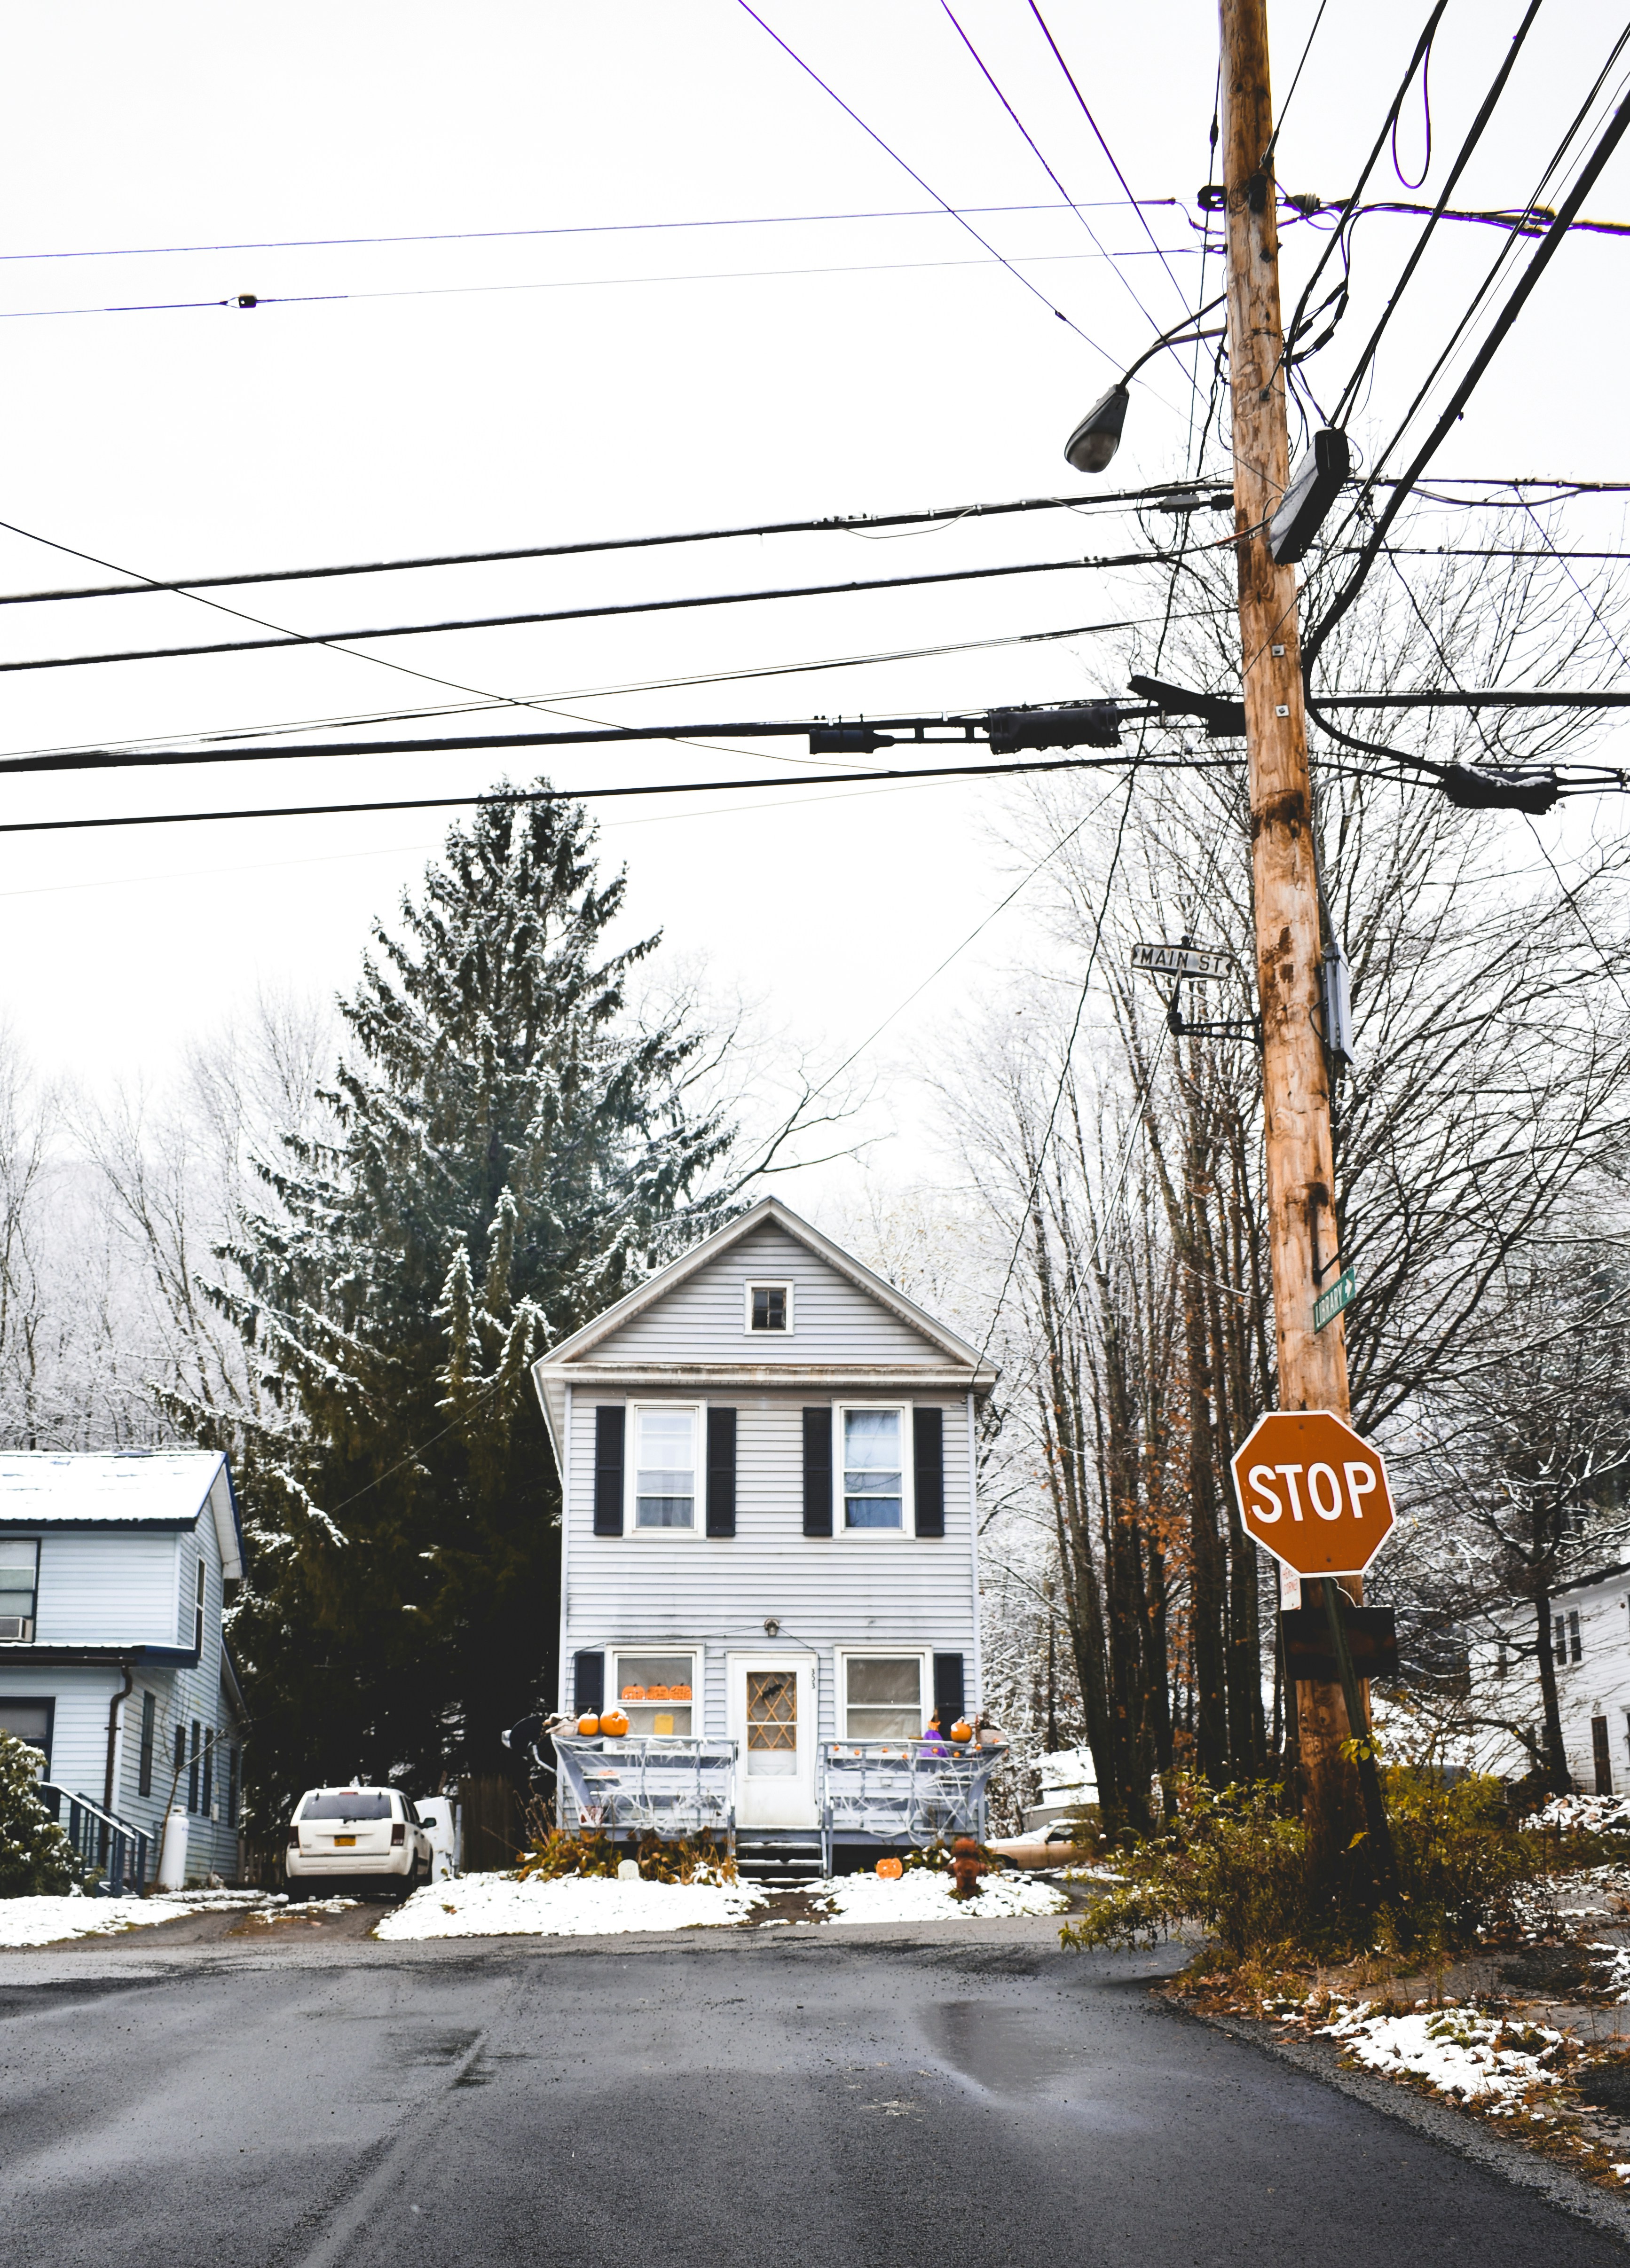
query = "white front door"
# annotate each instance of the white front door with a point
(772, 1722)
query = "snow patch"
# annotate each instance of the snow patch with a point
(1458, 2051)
(1576, 1815)
(47, 1921)
(573, 1905)
(923, 1893)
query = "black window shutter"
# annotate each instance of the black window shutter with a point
(949, 1698)
(928, 1473)
(610, 1422)
(818, 1471)
(721, 1472)
(588, 1684)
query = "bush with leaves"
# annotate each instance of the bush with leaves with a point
(36, 1858)
(1233, 1860)
(554, 1853)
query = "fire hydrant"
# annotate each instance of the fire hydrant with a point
(967, 1866)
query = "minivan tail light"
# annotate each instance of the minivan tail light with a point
(399, 1832)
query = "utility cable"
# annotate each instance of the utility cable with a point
(1035, 149)
(927, 187)
(1607, 142)
(294, 638)
(1474, 135)
(838, 524)
(518, 795)
(1098, 138)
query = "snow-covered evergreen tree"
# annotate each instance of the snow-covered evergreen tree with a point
(36, 1858)
(513, 1152)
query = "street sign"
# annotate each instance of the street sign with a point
(1334, 1298)
(1312, 1493)
(1179, 961)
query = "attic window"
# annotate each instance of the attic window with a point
(769, 1306)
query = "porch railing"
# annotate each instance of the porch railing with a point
(902, 1791)
(673, 1787)
(102, 1841)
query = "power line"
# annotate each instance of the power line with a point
(838, 524)
(927, 188)
(294, 638)
(962, 727)
(243, 301)
(522, 796)
(1607, 142)
(592, 228)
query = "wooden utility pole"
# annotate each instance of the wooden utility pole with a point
(1301, 1225)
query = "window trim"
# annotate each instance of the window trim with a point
(617, 1650)
(842, 1655)
(907, 1530)
(697, 1529)
(31, 1619)
(767, 1283)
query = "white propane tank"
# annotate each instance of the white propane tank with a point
(173, 1852)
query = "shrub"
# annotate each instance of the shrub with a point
(1229, 1860)
(36, 1858)
(1232, 1862)
(593, 1854)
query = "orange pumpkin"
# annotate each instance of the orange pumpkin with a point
(961, 1730)
(587, 1727)
(613, 1723)
(890, 1869)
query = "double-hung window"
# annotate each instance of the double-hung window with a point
(20, 1584)
(657, 1693)
(664, 1467)
(882, 1696)
(876, 1490)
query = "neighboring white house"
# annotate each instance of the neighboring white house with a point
(1590, 1646)
(112, 1576)
(770, 1530)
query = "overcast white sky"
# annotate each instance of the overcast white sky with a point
(540, 388)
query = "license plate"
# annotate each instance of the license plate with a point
(344, 1841)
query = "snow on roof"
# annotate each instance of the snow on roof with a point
(154, 1488)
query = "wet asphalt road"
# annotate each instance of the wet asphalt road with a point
(807, 2099)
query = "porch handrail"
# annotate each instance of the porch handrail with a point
(903, 1791)
(648, 1784)
(100, 1839)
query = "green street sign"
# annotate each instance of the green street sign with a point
(1331, 1302)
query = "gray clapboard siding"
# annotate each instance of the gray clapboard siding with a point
(845, 1590)
(701, 1319)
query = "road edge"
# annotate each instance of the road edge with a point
(1439, 2121)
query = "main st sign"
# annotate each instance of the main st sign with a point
(1312, 1492)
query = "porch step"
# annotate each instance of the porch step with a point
(775, 1860)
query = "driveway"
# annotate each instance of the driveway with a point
(851, 2097)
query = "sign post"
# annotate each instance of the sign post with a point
(1316, 1495)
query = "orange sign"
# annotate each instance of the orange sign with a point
(1312, 1493)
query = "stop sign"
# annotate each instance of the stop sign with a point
(1312, 1493)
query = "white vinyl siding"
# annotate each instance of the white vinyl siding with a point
(110, 1586)
(654, 1591)
(701, 1319)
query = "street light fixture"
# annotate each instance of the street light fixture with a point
(1098, 436)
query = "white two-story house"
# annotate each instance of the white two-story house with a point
(770, 1532)
(114, 1571)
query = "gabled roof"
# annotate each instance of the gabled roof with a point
(163, 1488)
(957, 1351)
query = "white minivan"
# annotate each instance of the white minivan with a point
(352, 1839)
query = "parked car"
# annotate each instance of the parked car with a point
(354, 1839)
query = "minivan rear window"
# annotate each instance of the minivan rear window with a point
(347, 1803)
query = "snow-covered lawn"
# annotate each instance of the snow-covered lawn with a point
(576, 1906)
(923, 1895)
(496, 1905)
(47, 1921)
(1458, 2050)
